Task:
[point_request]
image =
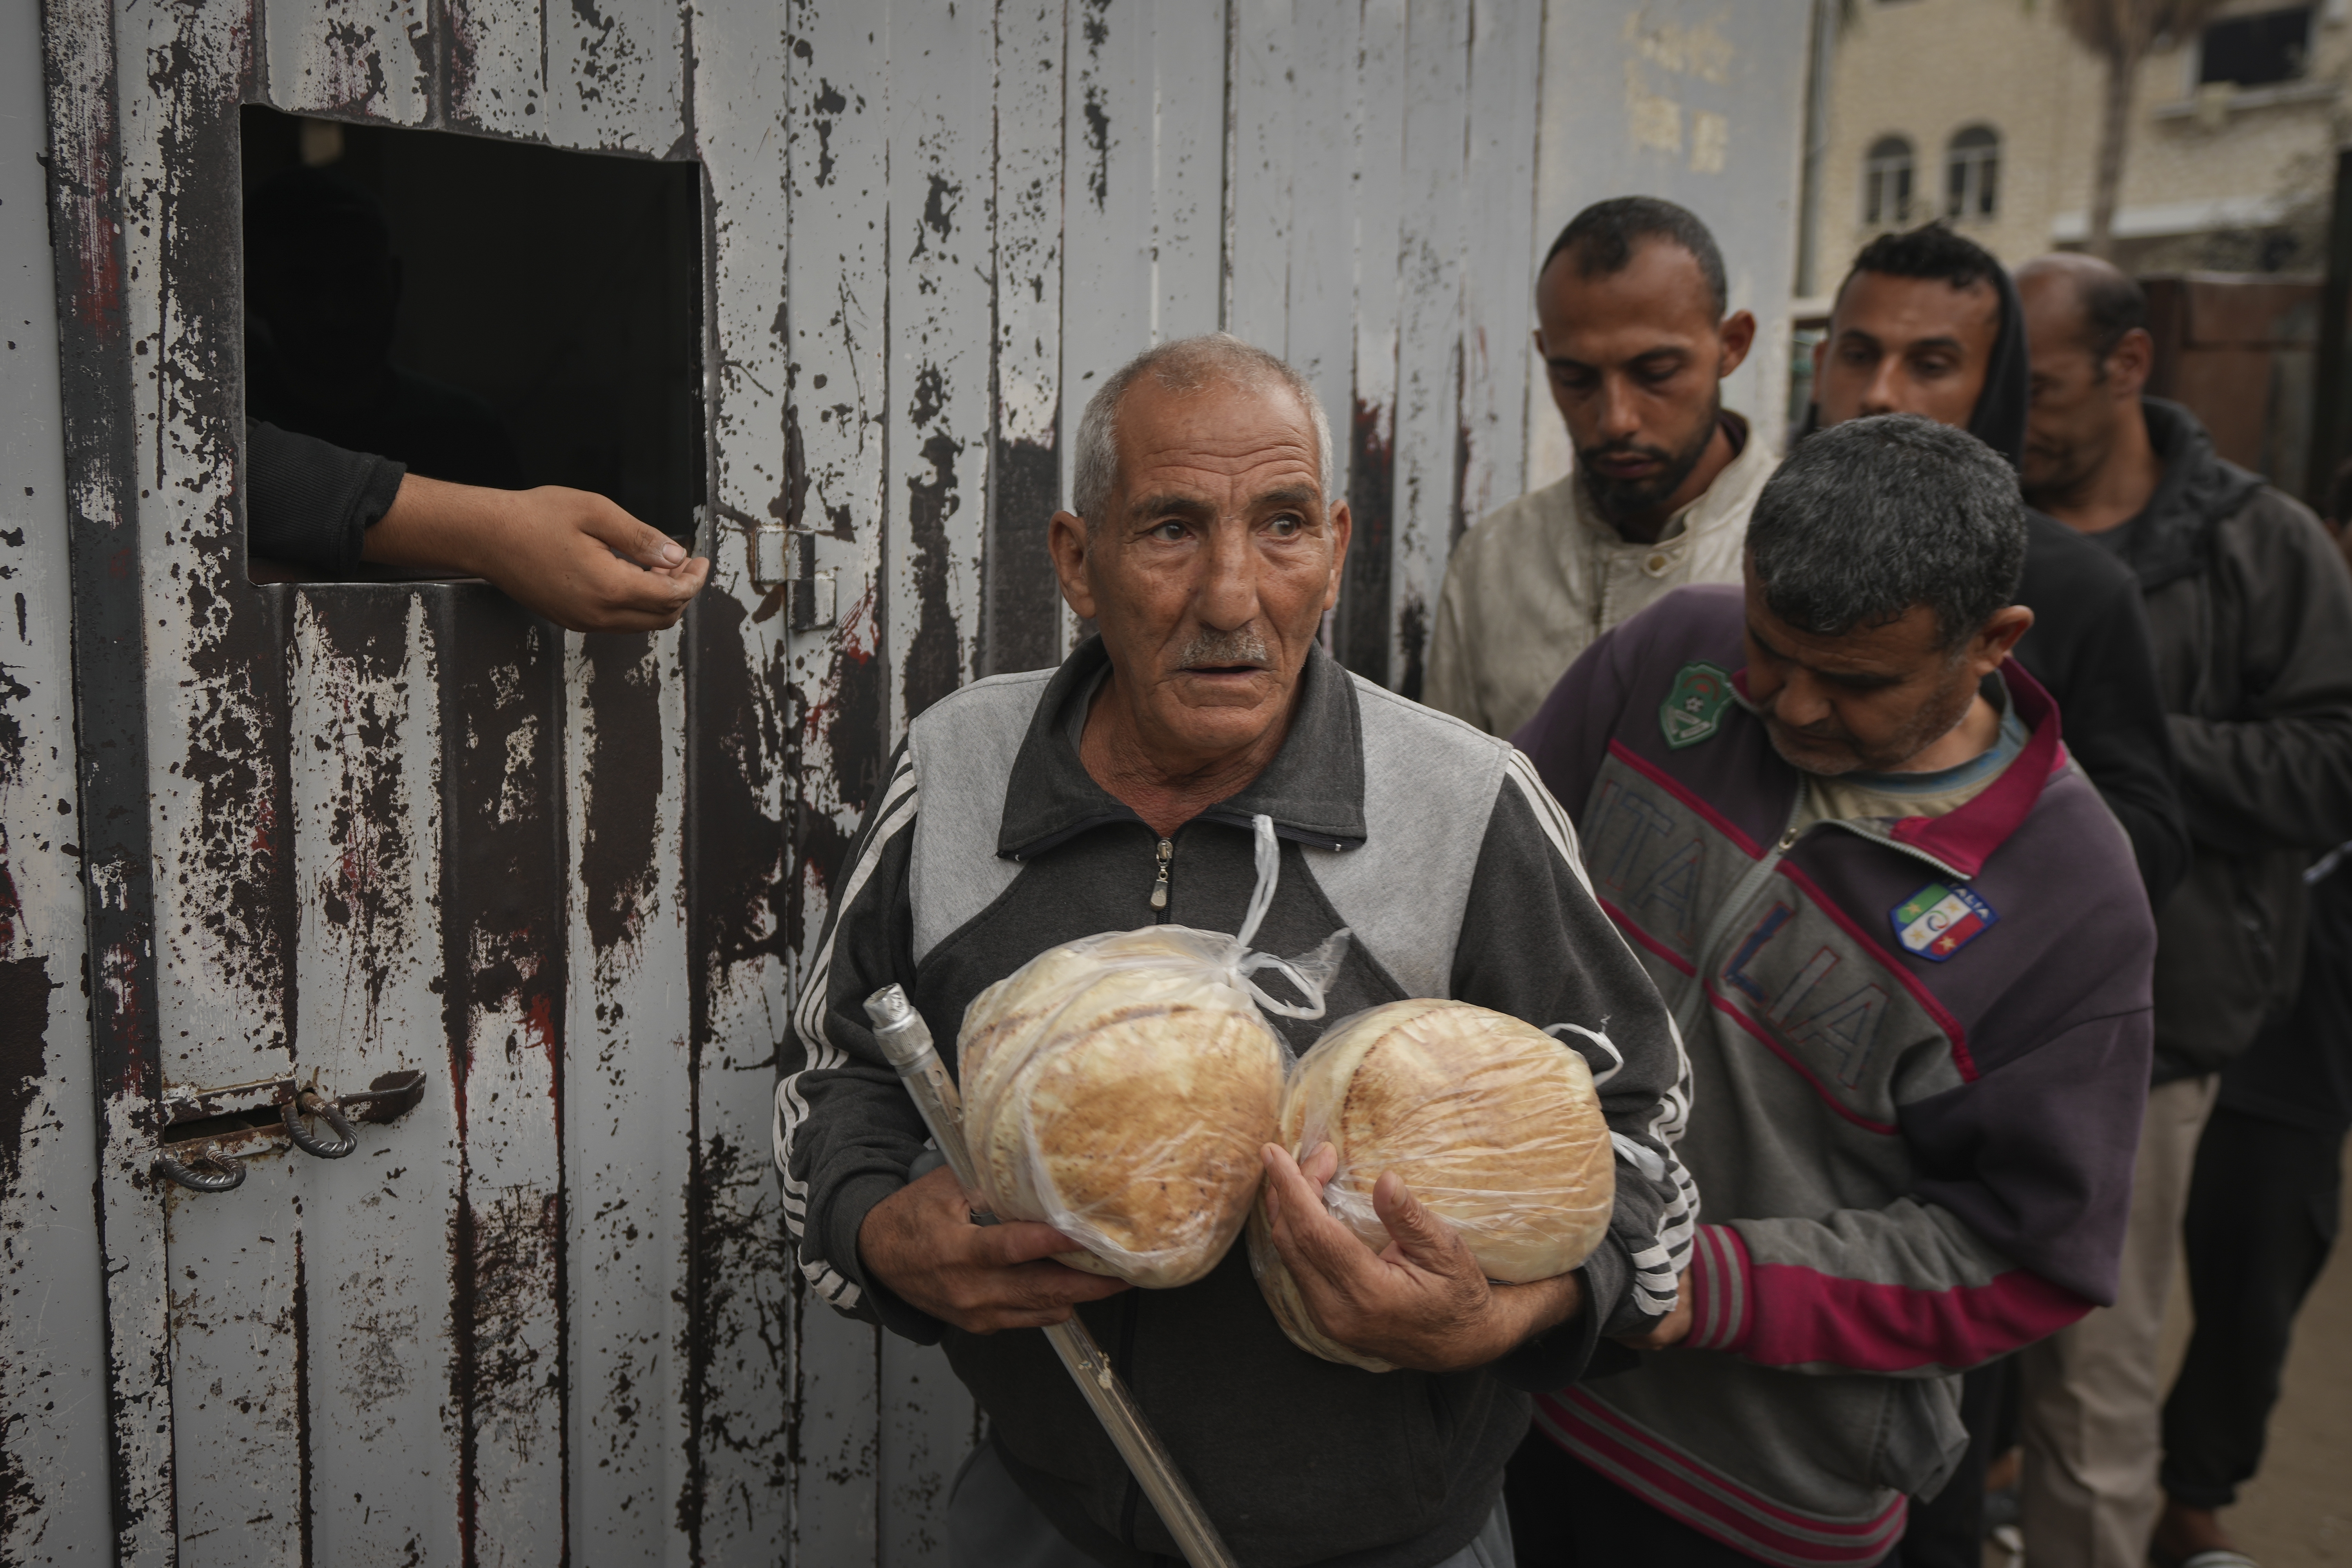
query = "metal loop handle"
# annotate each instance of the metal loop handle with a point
(226, 1174)
(304, 1102)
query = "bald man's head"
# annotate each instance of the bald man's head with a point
(2087, 332)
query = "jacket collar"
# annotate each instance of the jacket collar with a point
(1966, 838)
(1313, 788)
(2171, 536)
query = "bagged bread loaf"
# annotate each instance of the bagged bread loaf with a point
(1120, 1089)
(1493, 1124)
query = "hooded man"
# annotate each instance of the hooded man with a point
(1636, 335)
(1928, 322)
(2251, 612)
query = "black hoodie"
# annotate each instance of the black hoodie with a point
(2089, 644)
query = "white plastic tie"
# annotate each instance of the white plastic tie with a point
(1269, 872)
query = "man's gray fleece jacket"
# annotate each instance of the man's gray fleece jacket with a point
(1457, 875)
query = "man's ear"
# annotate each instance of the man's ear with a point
(1738, 335)
(1996, 638)
(1067, 542)
(2133, 362)
(1343, 529)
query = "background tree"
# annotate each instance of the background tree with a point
(2123, 32)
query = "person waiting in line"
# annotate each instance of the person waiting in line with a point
(1022, 814)
(2252, 610)
(1928, 322)
(1906, 947)
(1636, 334)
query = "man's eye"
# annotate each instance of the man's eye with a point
(1287, 526)
(1169, 532)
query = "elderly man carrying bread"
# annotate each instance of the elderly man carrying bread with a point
(1119, 791)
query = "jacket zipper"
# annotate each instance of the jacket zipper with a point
(1160, 883)
(1689, 1010)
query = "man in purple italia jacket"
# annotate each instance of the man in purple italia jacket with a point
(1908, 952)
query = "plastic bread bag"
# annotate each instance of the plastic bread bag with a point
(1492, 1123)
(1120, 1088)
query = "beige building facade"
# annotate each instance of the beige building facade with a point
(1987, 113)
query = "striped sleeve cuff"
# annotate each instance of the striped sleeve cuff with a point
(1720, 1299)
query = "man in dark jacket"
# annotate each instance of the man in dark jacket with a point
(1928, 322)
(1129, 787)
(2250, 608)
(1907, 948)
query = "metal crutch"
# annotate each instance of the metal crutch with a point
(905, 1040)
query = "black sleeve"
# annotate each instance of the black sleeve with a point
(310, 503)
(845, 1131)
(2090, 647)
(2277, 772)
(1535, 943)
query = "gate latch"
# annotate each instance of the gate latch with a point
(202, 1133)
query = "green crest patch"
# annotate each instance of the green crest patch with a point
(1693, 710)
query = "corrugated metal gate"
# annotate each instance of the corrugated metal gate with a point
(256, 831)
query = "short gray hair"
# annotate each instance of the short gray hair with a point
(1869, 518)
(1183, 364)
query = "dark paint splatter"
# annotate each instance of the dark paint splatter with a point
(1361, 634)
(624, 784)
(1022, 615)
(934, 667)
(24, 987)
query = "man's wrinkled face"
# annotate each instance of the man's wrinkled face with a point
(1212, 567)
(1637, 359)
(2073, 419)
(1906, 345)
(1868, 700)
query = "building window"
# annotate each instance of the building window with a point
(1972, 174)
(2250, 51)
(1887, 182)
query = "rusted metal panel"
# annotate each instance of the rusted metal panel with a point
(941, 261)
(368, 59)
(503, 911)
(941, 208)
(616, 75)
(1361, 635)
(1499, 251)
(1143, 149)
(366, 766)
(238, 1423)
(1262, 159)
(111, 723)
(492, 51)
(54, 1501)
(836, 163)
(1023, 618)
(734, 1504)
(1430, 360)
(627, 1116)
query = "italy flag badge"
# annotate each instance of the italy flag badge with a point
(1936, 921)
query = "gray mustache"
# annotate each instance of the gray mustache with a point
(1242, 647)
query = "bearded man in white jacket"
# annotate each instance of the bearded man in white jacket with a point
(1636, 337)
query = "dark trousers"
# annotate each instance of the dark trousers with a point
(1564, 1514)
(2262, 1209)
(1947, 1530)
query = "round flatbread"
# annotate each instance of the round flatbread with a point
(1120, 1089)
(1493, 1124)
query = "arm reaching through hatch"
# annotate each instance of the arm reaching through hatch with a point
(574, 556)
